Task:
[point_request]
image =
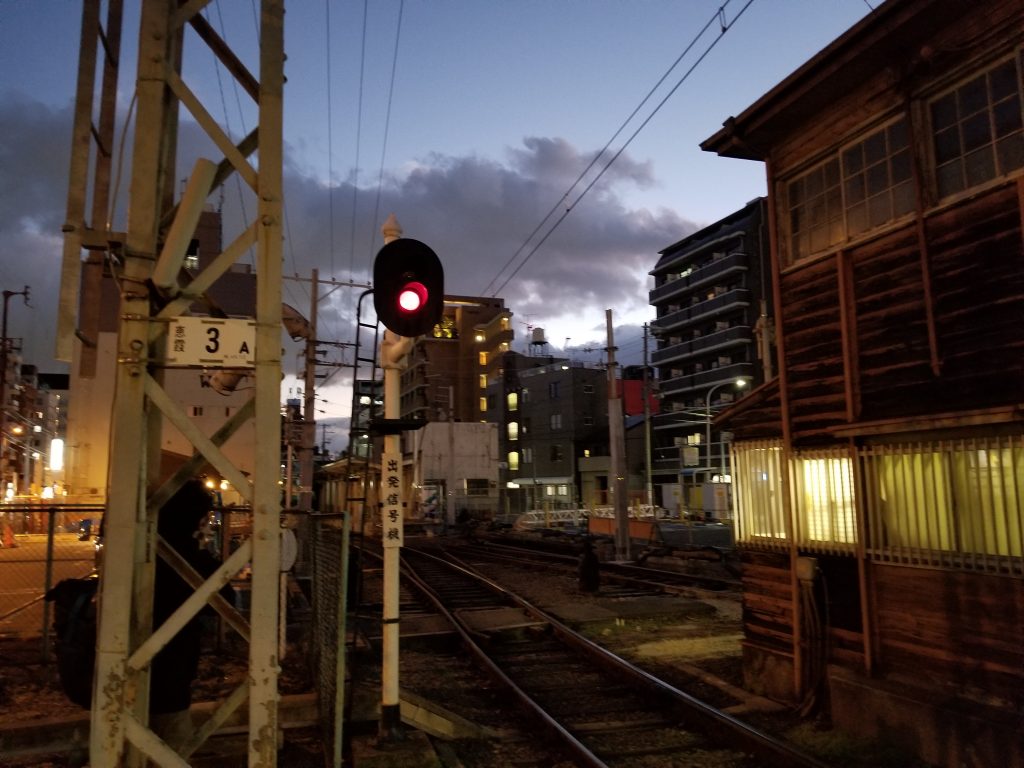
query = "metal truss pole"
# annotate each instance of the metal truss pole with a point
(266, 536)
(120, 691)
(154, 249)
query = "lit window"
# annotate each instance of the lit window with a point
(513, 430)
(513, 460)
(483, 403)
(977, 130)
(513, 401)
(824, 498)
(483, 381)
(483, 358)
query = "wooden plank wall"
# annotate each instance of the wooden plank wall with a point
(957, 630)
(814, 362)
(767, 600)
(978, 283)
(891, 329)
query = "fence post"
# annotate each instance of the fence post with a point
(48, 579)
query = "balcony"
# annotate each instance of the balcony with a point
(730, 337)
(701, 381)
(737, 298)
(734, 262)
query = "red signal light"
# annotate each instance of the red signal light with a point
(412, 296)
(408, 287)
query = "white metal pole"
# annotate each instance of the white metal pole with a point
(392, 355)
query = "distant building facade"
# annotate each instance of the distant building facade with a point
(94, 363)
(712, 303)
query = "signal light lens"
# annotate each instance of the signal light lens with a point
(412, 296)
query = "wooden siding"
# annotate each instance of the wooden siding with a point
(891, 330)
(977, 265)
(767, 601)
(814, 349)
(957, 630)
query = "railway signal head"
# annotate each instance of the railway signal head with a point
(408, 287)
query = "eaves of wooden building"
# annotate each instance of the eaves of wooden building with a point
(879, 478)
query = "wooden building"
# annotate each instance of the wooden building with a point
(879, 477)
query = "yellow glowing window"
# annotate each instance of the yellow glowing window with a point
(513, 430)
(483, 403)
(483, 381)
(513, 401)
(513, 460)
(483, 358)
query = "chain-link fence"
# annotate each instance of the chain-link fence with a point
(41, 545)
(330, 594)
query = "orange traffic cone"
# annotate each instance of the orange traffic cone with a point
(9, 540)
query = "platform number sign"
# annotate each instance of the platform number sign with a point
(391, 495)
(211, 342)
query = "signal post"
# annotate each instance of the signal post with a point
(408, 296)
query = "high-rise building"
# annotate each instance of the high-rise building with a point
(712, 305)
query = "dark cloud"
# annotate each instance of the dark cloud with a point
(476, 212)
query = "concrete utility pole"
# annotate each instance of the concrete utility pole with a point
(616, 440)
(647, 425)
(309, 405)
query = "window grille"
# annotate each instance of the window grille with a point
(757, 491)
(952, 504)
(956, 504)
(977, 129)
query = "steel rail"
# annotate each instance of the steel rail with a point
(696, 713)
(573, 746)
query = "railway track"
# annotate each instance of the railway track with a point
(622, 579)
(600, 711)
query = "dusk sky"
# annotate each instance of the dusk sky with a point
(497, 108)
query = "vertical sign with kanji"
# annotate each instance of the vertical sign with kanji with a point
(391, 495)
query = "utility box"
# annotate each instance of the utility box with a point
(717, 500)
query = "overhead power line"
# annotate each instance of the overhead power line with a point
(724, 27)
(387, 127)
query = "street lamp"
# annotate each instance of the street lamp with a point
(740, 383)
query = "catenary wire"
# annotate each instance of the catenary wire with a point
(724, 28)
(330, 144)
(387, 128)
(359, 134)
(227, 119)
(604, 149)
